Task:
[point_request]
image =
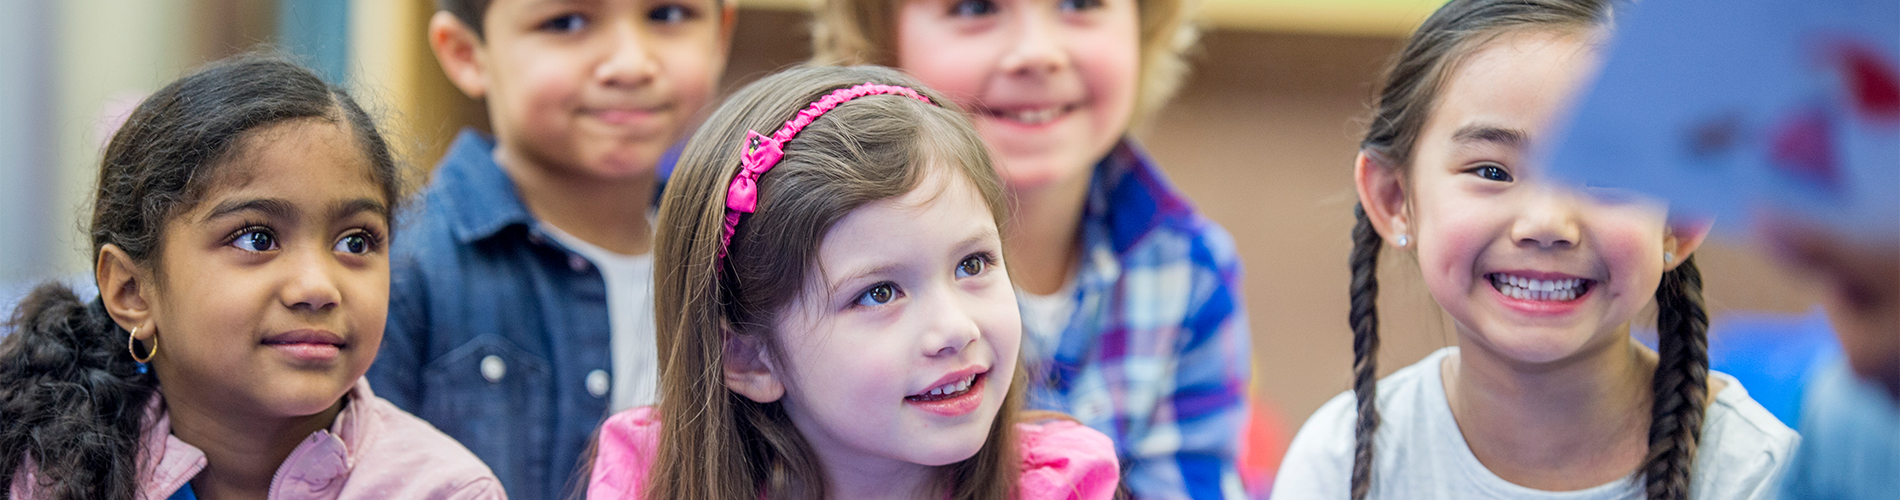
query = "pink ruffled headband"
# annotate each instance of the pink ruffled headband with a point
(762, 152)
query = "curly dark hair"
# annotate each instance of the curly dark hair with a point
(72, 399)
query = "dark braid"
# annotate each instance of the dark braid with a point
(1364, 317)
(1681, 382)
(1405, 101)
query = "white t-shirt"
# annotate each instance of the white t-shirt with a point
(636, 357)
(1420, 454)
(1045, 317)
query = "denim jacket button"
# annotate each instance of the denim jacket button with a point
(577, 262)
(493, 368)
(598, 383)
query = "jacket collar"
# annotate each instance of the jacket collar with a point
(483, 198)
(318, 464)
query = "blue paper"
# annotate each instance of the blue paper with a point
(1729, 108)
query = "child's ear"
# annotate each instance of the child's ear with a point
(458, 49)
(749, 369)
(1682, 238)
(1382, 193)
(126, 290)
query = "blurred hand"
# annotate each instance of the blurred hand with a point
(1863, 285)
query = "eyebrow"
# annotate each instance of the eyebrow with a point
(359, 205)
(280, 209)
(270, 207)
(1492, 134)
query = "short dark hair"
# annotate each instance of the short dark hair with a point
(470, 12)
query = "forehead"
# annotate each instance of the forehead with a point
(313, 159)
(1516, 81)
(944, 202)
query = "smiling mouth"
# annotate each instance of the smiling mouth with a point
(1522, 288)
(946, 391)
(1031, 116)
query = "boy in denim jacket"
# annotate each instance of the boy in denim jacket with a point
(521, 311)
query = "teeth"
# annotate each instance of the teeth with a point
(953, 387)
(1034, 116)
(1522, 288)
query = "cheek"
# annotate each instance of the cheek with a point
(1108, 56)
(1633, 254)
(936, 54)
(546, 82)
(369, 311)
(833, 358)
(692, 68)
(1451, 235)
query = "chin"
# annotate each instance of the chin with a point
(1536, 345)
(950, 449)
(305, 397)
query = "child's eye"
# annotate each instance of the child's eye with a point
(355, 244)
(972, 265)
(255, 239)
(669, 14)
(1493, 172)
(564, 24)
(882, 293)
(1075, 5)
(974, 8)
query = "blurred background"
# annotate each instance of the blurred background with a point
(1262, 137)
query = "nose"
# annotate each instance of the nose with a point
(629, 61)
(951, 327)
(312, 282)
(1548, 219)
(1038, 49)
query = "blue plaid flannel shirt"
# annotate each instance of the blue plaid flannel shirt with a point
(1156, 353)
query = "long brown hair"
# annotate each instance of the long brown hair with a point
(717, 444)
(1411, 89)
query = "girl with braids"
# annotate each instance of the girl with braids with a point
(1546, 394)
(239, 230)
(841, 319)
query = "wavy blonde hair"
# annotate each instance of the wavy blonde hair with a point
(865, 32)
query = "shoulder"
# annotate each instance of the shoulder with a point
(1064, 459)
(1744, 448)
(627, 444)
(419, 458)
(1319, 460)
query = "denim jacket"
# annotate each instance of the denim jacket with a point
(497, 334)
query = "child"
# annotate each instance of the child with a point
(1850, 422)
(1130, 298)
(239, 231)
(521, 313)
(844, 324)
(1547, 395)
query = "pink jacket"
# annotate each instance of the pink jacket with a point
(373, 450)
(1062, 460)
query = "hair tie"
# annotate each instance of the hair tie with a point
(762, 152)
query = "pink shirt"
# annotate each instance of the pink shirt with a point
(372, 450)
(1061, 459)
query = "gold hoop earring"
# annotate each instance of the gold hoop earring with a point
(131, 345)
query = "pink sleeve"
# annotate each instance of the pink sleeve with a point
(1064, 460)
(628, 442)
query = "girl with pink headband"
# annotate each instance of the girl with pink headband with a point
(836, 317)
